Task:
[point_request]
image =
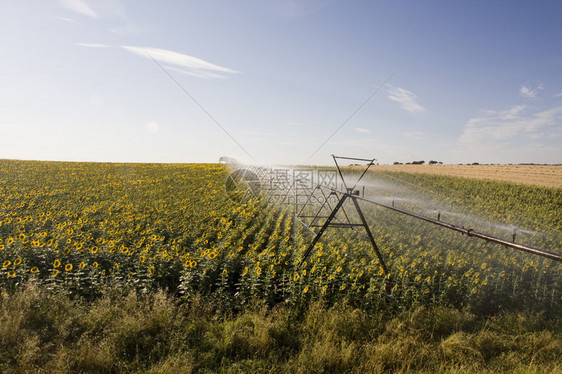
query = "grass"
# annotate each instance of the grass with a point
(45, 331)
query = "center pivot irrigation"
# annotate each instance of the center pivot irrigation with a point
(327, 198)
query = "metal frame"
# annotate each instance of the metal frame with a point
(352, 194)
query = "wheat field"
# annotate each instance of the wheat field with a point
(537, 175)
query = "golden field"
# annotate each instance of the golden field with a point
(538, 175)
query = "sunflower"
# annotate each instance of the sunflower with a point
(34, 269)
(6, 263)
(68, 267)
(56, 264)
(11, 273)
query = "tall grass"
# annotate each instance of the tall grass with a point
(44, 331)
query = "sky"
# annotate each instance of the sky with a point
(281, 82)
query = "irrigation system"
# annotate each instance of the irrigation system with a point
(326, 198)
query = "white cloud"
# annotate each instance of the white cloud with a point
(517, 134)
(530, 92)
(198, 74)
(360, 129)
(558, 95)
(79, 6)
(65, 19)
(512, 125)
(407, 99)
(195, 66)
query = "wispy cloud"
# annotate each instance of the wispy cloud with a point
(360, 129)
(174, 61)
(529, 92)
(407, 99)
(514, 124)
(181, 62)
(79, 6)
(101, 8)
(517, 134)
(195, 73)
(65, 19)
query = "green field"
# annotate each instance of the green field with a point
(151, 268)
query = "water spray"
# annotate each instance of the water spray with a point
(329, 201)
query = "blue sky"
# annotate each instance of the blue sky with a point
(111, 80)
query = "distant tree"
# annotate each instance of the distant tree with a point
(433, 162)
(397, 163)
(418, 162)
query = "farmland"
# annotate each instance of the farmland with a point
(539, 175)
(153, 263)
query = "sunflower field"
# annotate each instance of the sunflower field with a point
(143, 227)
